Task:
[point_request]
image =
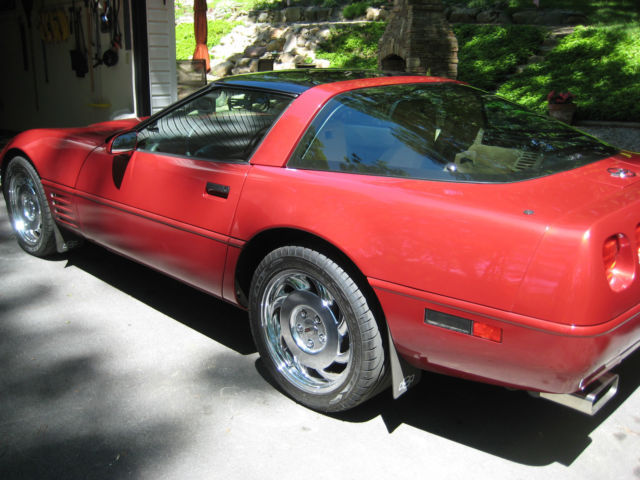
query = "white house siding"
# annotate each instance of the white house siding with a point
(162, 53)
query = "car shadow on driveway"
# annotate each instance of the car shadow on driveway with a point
(207, 315)
(508, 424)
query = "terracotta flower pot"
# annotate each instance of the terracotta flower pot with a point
(562, 111)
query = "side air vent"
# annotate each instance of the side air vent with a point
(527, 160)
(63, 210)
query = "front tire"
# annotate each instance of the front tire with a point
(315, 331)
(28, 208)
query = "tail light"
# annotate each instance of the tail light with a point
(610, 252)
(618, 261)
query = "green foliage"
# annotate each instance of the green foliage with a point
(355, 10)
(489, 53)
(598, 11)
(599, 65)
(353, 47)
(185, 37)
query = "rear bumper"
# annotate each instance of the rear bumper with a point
(533, 355)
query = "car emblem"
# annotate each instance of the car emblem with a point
(621, 172)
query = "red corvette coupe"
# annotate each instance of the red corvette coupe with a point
(373, 225)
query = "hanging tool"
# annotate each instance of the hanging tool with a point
(23, 41)
(98, 42)
(89, 45)
(110, 57)
(44, 60)
(27, 6)
(106, 17)
(78, 55)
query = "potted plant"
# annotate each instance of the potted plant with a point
(561, 106)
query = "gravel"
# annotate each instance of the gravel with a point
(621, 137)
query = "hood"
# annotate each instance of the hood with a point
(58, 153)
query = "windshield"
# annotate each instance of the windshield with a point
(447, 132)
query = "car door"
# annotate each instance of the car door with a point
(170, 202)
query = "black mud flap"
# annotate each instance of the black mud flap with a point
(65, 240)
(403, 375)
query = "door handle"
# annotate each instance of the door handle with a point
(217, 190)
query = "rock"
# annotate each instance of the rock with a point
(290, 42)
(325, 33)
(243, 62)
(222, 69)
(549, 17)
(254, 51)
(525, 17)
(292, 14)
(253, 65)
(278, 32)
(535, 59)
(373, 14)
(488, 16)
(263, 17)
(263, 36)
(287, 58)
(323, 14)
(463, 15)
(240, 70)
(275, 45)
(576, 19)
(505, 18)
(311, 14)
(300, 60)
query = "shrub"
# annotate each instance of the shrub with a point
(489, 53)
(355, 10)
(353, 47)
(599, 65)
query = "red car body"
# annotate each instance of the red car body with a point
(523, 261)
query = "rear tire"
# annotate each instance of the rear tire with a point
(315, 331)
(28, 208)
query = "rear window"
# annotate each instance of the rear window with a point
(446, 132)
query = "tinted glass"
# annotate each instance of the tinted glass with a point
(223, 124)
(440, 132)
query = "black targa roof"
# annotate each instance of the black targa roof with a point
(299, 80)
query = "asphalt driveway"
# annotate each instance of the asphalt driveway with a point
(110, 370)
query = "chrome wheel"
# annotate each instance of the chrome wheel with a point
(24, 207)
(306, 332)
(28, 209)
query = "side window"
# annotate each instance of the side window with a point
(223, 124)
(376, 131)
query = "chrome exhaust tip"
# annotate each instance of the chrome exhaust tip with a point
(590, 399)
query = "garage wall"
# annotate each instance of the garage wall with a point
(29, 99)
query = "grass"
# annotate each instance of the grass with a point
(185, 40)
(354, 47)
(600, 12)
(599, 65)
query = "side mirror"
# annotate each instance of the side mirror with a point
(123, 143)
